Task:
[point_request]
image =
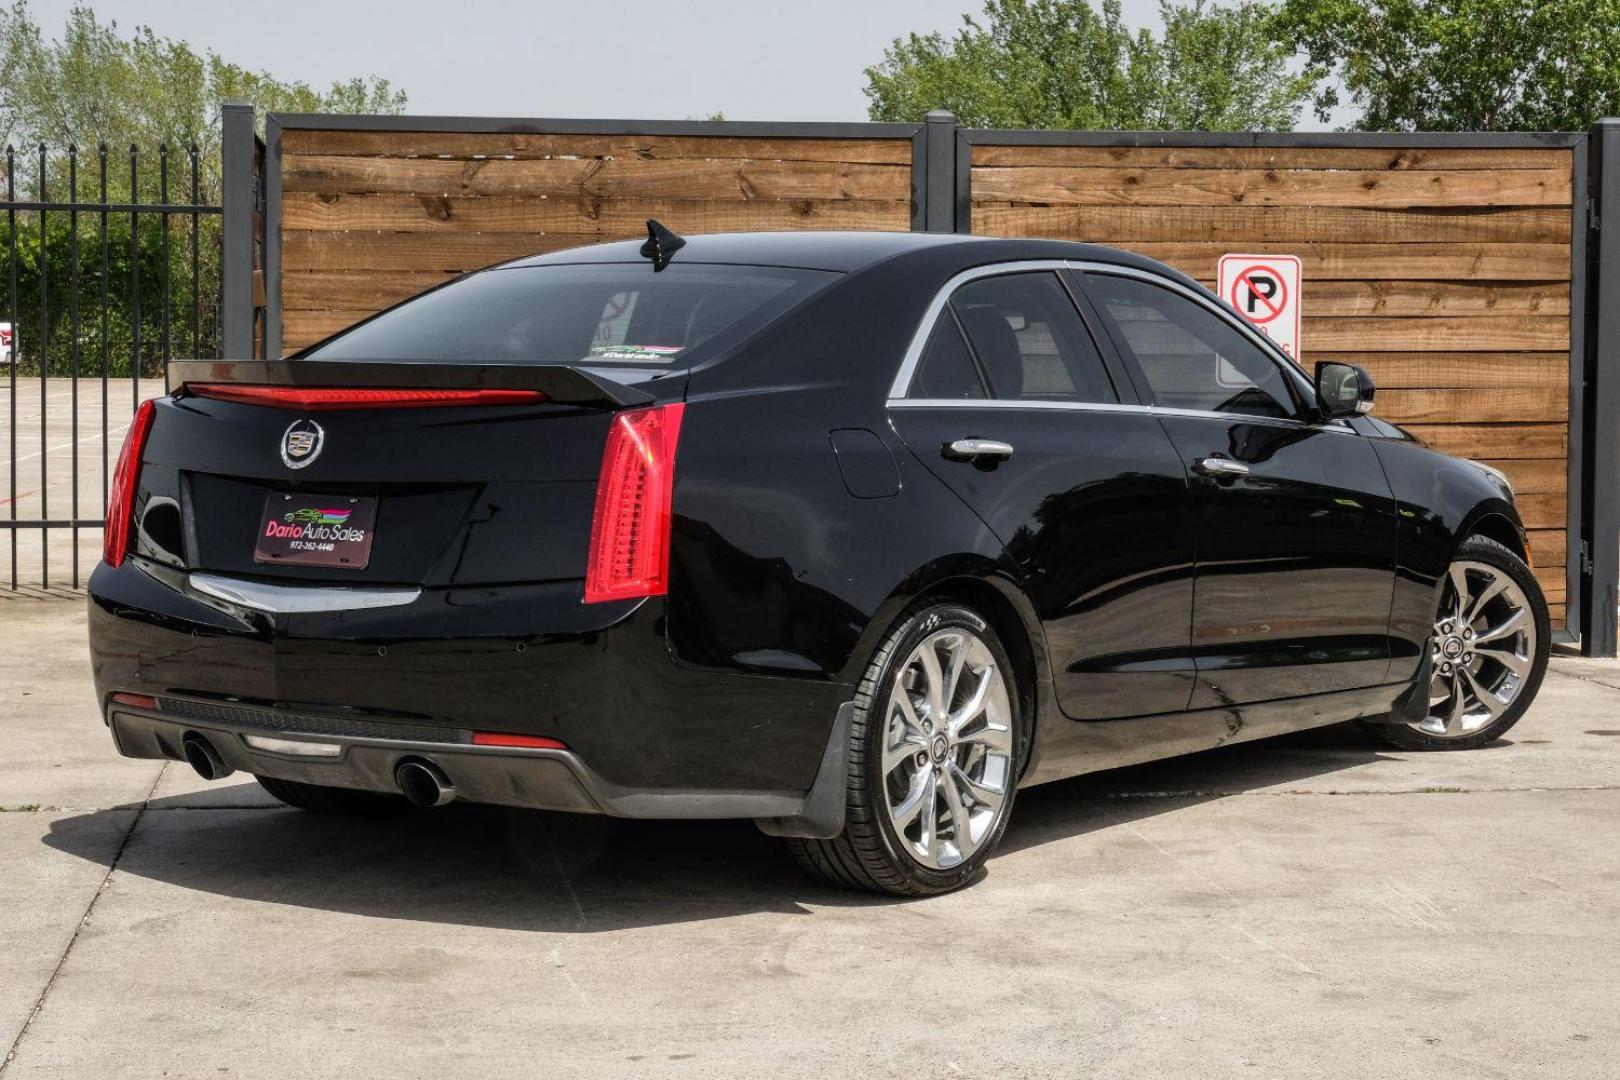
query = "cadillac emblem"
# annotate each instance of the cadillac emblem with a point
(301, 443)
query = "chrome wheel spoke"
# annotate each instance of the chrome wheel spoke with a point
(907, 712)
(928, 657)
(1493, 704)
(1507, 627)
(961, 826)
(1486, 595)
(905, 813)
(1509, 659)
(974, 705)
(980, 793)
(1458, 708)
(897, 754)
(930, 816)
(993, 737)
(1459, 588)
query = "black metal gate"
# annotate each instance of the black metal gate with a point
(112, 267)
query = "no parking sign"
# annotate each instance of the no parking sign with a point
(1265, 290)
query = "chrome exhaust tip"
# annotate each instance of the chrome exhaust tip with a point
(203, 758)
(423, 783)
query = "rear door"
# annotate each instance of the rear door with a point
(1295, 523)
(1085, 490)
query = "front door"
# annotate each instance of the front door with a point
(1086, 492)
(1296, 524)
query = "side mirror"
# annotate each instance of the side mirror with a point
(1342, 390)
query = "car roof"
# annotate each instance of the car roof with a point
(844, 251)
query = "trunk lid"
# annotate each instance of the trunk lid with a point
(444, 494)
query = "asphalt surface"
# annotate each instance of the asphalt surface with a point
(1312, 906)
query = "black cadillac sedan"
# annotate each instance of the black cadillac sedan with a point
(854, 535)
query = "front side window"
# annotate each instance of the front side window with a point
(604, 314)
(1029, 340)
(1191, 357)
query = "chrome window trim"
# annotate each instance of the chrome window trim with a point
(925, 328)
(1337, 427)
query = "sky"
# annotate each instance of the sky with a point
(636, 59)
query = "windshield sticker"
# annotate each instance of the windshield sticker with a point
(646, 354)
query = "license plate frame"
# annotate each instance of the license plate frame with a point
(298, 529)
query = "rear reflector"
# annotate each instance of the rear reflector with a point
(125, 483)
(136, 701)
(324, 398)
(629, 556)
(532, 742)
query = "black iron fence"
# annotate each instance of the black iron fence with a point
(112, 266)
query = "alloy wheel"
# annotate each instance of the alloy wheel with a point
(947, 749)
(1483, 650)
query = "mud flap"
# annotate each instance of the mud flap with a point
(822, 816)
(1413, 705)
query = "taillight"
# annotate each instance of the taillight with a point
(126, 479)
(629, 555)
(324, 398)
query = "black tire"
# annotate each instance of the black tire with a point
(347, 802)
(1485, 550)
(867, 855)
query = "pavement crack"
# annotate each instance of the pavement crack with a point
(84, 920)
(1583, 678)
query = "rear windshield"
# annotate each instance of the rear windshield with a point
(613, 315)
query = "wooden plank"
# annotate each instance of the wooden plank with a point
(1333, 299)
(1486, 441)
(1550, 476)
(396, 212)
(1491, 333)
(660, 147)
(1435, 370)
(1272, 187)
(1122, 226)
(420, 252)
(1386, 262)
(355, 290)
(1542, 510)
(622, 178)
(1547, 548)
(301, 328)
(1261, 157)
(1473, 406)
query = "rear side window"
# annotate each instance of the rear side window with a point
(613, 315)
(1029, 340)
(1191, 357)
(946, 370)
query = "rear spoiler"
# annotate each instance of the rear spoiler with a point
(568, 385)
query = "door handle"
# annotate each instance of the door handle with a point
(968, 449)
(1220, 466)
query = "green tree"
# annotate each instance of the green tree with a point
(97, 87)
(1461, 65)
(1065, 64)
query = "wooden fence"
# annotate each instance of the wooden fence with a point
(1452, 266)
(1445, 270)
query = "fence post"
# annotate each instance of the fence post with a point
(1600, 404)
(939, 198)
(237, 199)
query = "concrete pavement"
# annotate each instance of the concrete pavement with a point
(1313, 906)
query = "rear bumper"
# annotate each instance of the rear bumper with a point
(646, 736)
(502, 776)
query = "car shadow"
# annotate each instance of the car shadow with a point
(533, 870)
